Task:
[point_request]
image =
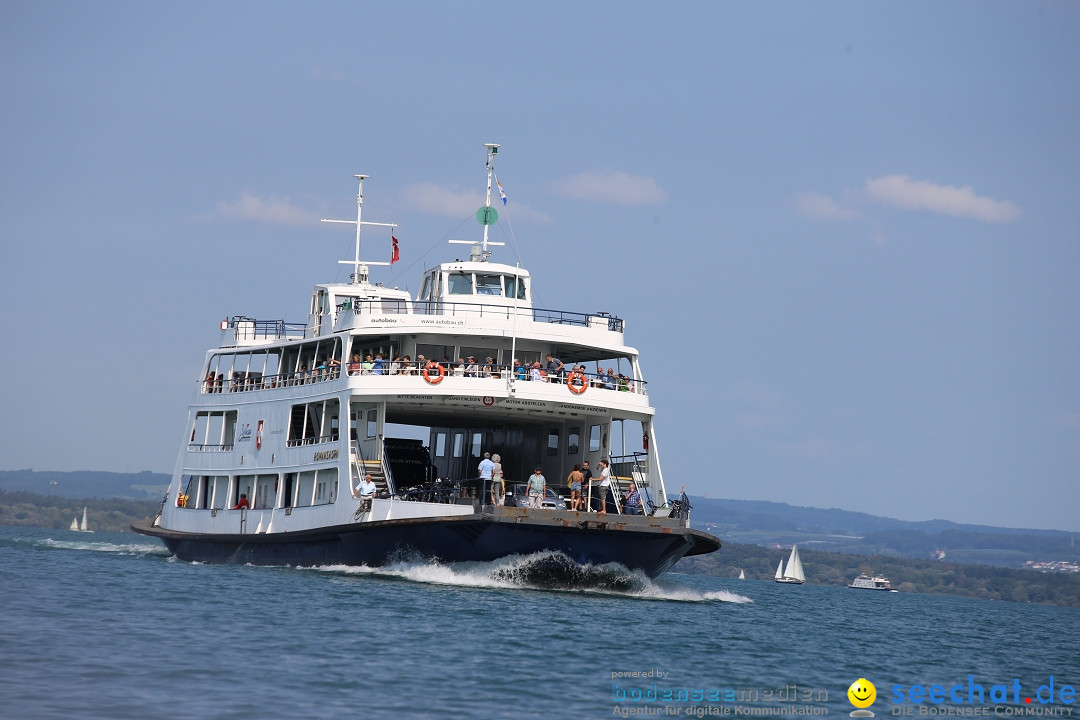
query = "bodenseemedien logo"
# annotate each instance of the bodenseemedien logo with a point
(862, 695)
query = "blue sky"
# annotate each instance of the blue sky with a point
(843, 235)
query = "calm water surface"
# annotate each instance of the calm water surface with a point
(109, 626)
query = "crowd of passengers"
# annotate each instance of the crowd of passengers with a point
(329, 368)
(555, 371)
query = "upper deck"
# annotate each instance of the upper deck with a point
(464, 308)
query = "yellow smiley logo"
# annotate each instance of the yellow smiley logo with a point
(862, 693)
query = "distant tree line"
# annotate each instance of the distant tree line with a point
(933, 577)
(29, 509)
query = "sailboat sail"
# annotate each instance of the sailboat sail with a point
(794, 567)
(74, 524)
(780, 570)
(742, 574)
(82, 528)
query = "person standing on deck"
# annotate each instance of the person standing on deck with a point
(602, 486)
(586, 482)
(574, 482)
(498, 485)
(537, 488)
(554, 369)
(485, 470)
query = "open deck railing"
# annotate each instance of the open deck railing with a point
(580, 381)
(246, 328)
(440, 308)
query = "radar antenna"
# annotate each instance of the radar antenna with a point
(360, 268)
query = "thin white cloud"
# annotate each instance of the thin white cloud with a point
(822, 207)
(613, 187)
(434, 199)
(275, 211)
(902, 192)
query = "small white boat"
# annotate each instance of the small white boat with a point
(865, 582)
(76, 526)
(742, 574)
(793, 574)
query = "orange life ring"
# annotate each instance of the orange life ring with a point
(432, 365)
(570, 382)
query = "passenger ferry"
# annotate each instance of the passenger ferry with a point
(288, 419)
(865, 582)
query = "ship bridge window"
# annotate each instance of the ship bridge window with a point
(515, 286)
(460, 284)
(489, 284)
(573, 441)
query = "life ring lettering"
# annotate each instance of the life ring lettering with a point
(436, 378)
(582, 383)
(488, 400)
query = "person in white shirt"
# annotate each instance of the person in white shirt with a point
(603, 483)
(366, 488)
(485, 470)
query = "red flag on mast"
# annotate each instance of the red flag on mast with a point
(395, 255)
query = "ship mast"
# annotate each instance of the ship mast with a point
(360, 268)
(486, 215)
(493, 149)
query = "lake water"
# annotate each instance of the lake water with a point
(110, 626)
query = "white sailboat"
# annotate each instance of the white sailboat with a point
(74, 524)
(80, 527)
(793, 574)
(742, 574)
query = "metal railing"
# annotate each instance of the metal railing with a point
(580, 380)
(199, 447)
(314, 440)
(245, 328)
(441, 308)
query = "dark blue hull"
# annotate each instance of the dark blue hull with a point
(651, 546)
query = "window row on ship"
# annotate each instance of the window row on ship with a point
(310, 423)
(306, 488)
(322, 360)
